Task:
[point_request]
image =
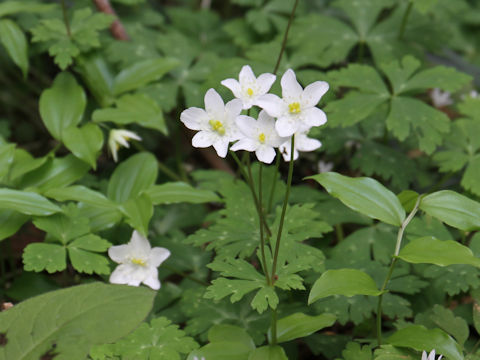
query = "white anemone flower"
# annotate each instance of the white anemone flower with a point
(440, 98)
(302, 143)
(297, 109)
(119, 138)
(248, 88)
(431, 356)
(216, 124)
(138, 262)
(260, 136)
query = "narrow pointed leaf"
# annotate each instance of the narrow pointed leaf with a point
(27, 203)
(15, 42)
(299, 325)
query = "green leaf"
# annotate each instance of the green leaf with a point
(14, 40)
(96, 74)
(445, 78)
(476, 310)
(137, 108)
(299, 325)
(10, 222)
(62, 105)
(100, 217)
(398, 72)
(91, 242)
(428, 250)
(361, 77)
(87, 262)
(453, 209)
(15, 7)
(85, 142)
(408, 198)
(355, 351)
(347, 282)
(7, 156)
(80, 193)
(225, 332)
(269, 352)
(159, 340)
(132, 177)
(27, 203)
(139, 211)
(39, 256)
(142, 73)
(389, 352)
(364, 195)
(66, 321)
(175, 192)
(420, 338)
(23, 163)
(264, 298)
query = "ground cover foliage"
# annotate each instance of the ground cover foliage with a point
(366, 248)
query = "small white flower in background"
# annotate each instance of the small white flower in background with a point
(431, 356)
(119, 138)
(440, 98)
(297, 109)
(473, 94)
(216, 124)
(260, 136)
(138, 262)
(324, 166)
(196, 358)
(302, 143)
(248, 88)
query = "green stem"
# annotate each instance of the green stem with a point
(274, 327)
(185, 275)
(65, 18)
(262, 221)
(392, 265)
(361, 51)
(284, 210)
(285, 37)
(404, 20)
(274, 183)
(339, 232)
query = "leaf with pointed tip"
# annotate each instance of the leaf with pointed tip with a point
(27, 203)
(15, 42)
(85, 142)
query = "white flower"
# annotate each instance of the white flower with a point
(324, 166)
(431, 356)
(440, 98)
(216, 124)
(196, 358)
(473, 94)
(120, 137)
(296, 110)
(261, 136)
(138, 262)
(302, 143)
(249, 88)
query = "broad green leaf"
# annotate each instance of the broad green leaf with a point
(40, 256)
(389, 352)
(138, 211)
(137, 108)
(85, 142)
(23, 163)
(132, 177)
(27, 203)
(142, 73)
(364, 195)
(87, 262)
(175, 192)
(428, 250)
(347, 282)
(96, 74)
(10, 222)
(15, 7)
(100, 217)
(62, 105)
(269, 352)
(453, 209)
(14, 40)
(91, 242)
(80, 193)
(299, 325)
(225, 332)
(69, 318)
(422, 339)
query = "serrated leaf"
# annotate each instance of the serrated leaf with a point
(265, 297)
(87, 262)
(361, 77)
(68, 318)
(355, 309)
(50, 257)
(175, 192)
(398, 72)
(91, 242)
(445, 78)
(15, 42)
(355, 351)
(85, 142)
(27, 203)
(453, 279)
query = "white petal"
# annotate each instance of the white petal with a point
(314, 117)
(113, 148)
(214, 104)
(304, 143)
(158, 255)
(234, 86)
(272, 104)
(291, 89)
(119, 253)
(245, 144)
(127, 134)
(265, 120)
(246, 75)
(313, 93)
(194, 118)
(204, 139)
(125, 274)
(265, 154)
(152, 279)
(265, 82)
(286, 126)
(233, 108)
(247, 125)
(140, 246)
(285, 150)
(424, 355)
(221, 147)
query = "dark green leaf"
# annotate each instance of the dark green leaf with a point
(170, 193)
(14, 40)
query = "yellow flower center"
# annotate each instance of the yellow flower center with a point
(294, 108)
(249, 92)
(217, 126)
(139, 262)
(261, 138)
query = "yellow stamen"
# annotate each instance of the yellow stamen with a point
(217, 126)
(261, 138)
(139, 262)
(249, 92)
(294, 108)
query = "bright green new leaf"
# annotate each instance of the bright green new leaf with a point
(27, 203)
(453, 209)
(299, 325)
(175, 192)
(364, 195)
(428, 250)
(132, 177)
(85, 142)
(40, 256)
(347, 282)
(136, 108)
(62, 105)
(66, 321)
(420, 338)
(142, 73)
(80, 193)
(10, 222)
(269, 352)
(138, 211)
(15, 42)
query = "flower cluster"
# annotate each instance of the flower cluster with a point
(278, 122)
